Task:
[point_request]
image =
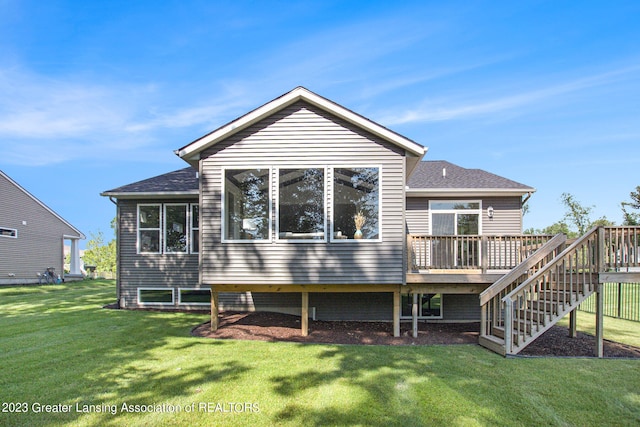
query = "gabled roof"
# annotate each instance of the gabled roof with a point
(180, 183)
(438, 178)
(191, 151)
(47, 208)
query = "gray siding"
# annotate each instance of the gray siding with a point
(297, 136)
(460, 307)
(507, 217)
(149, 270)
(40, 236)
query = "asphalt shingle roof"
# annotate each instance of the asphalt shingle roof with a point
(428, 175)
(183, 180)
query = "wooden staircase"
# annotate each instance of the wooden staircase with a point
(544, 288)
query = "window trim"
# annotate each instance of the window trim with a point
(180, 302)
(159, 229)
(277, 205)
(332, 237)
(187, 230)
(223, 204)
(173, 295)
(456, 212)
(13, 231)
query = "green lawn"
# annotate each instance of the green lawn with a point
(59, 347)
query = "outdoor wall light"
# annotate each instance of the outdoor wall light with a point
(490, 212)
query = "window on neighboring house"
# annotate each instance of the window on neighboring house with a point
(149, 228)
(246, 204)
(195, 229)
(429, 306)
(356, 203)
(301, 204)
(175, 228)
(8, 232)
(194, 296)
(160, 296)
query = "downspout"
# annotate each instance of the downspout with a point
(118, 293)
(529, 194)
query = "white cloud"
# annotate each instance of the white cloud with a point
(433, 113)
(45, 120)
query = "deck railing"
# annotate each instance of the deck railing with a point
(621, 247)
(427, 252)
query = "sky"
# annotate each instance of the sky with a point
(99, 94)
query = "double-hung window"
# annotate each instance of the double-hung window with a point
(301, 204)
(149, 229)
(247, 208)
(356, 203)
(175, 228)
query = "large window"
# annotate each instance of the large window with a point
(356, 203)
(168, 228)
(301, 204)
(149, 228)
(246, 204)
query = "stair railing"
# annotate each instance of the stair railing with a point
(553, 291)
(492, 313)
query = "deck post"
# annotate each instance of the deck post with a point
(573, 324)
(414, 315)
(304, 321)
(599, 321)
(484, 254)
(214, 308)
(396, 313)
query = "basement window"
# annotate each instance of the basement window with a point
(156, 296)
(193, 296)
(8, 232)
(429, 306)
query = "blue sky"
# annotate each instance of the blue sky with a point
(94, 95)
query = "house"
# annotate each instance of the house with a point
(306, 207)
(32, 237)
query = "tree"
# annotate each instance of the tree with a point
(632, 218)
(99, 254)
(578, 215)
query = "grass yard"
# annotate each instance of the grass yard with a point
(58, 347)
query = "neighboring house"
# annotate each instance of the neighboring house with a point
(32, 237)
(303, 206)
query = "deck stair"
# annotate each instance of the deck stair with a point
(544, 288)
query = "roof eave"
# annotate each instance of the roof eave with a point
(151, 194)
(468, 192)
(190, 152)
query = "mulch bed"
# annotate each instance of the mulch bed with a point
(265, 326)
